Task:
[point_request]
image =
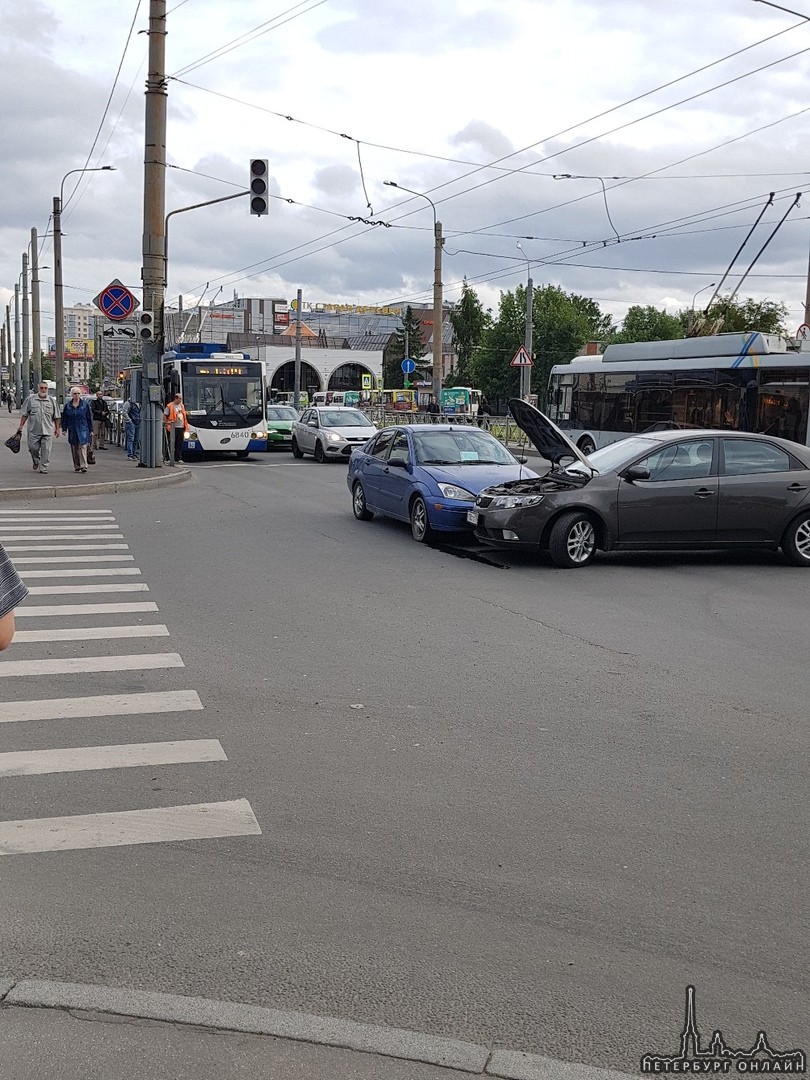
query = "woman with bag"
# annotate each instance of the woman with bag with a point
(77, 421)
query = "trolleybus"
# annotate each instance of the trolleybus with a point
(225, 398)
(735, 382)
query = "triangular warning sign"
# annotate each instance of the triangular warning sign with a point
(522, 358)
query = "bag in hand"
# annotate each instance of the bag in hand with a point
(91, 456)
(14, 442)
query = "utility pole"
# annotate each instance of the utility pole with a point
(25, 366)
(437, 312)
(297, 379)
(526, 372)
(59, 313)
(9, 354)
(153, 272)
(36, 339)
(17, 365)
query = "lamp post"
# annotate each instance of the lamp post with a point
(697, 294)
(526, 372)
(59, 313)
(437, 292)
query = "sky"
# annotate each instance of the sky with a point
(629, 146)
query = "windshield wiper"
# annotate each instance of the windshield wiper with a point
(438, 461)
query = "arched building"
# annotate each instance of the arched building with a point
(321, 369)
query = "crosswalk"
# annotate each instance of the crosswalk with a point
(66, 560)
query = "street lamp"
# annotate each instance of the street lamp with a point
(437, 292)
(526, 372)
(57, 279)
(697, 294)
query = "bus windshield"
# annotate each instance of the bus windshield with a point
(235, 396)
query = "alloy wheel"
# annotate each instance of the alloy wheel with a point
(581, 541)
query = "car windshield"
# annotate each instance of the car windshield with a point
(472, 447)
(281, 412)
(343, 418)
(614, 457)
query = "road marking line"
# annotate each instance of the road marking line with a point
(52, 610)
(85, 522)
(68, 536)
(91, 633)
(99, 587)
(106, 705)
(74, 665)
(74, 559)
(71, 547)
(55, 528)
(200, 821)
(3, 513)
(131, 571)
(131, 755)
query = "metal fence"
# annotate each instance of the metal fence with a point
(503, 428)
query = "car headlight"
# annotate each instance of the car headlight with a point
(453, 491)
(331, 437)
(511, 502)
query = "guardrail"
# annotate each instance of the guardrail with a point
(503, 428)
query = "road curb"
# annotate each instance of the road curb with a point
(212, 1015)
(107, 487)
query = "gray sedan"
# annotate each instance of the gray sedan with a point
(330, 432)
(658, 490)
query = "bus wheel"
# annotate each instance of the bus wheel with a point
(586, 445)
(242, 453)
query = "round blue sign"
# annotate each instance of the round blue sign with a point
(408, 366)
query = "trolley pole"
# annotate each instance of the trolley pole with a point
(153, 272)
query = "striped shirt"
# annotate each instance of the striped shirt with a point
(12, 590)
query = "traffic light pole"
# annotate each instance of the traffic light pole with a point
(153, 272)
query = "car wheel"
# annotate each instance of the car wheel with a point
(586, 445)
(242, 453)
(420, 523)
(573, 540)
(319, 454)
(796, 541)
(296, 449)
(361, 511)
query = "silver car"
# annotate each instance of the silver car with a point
(330, 431)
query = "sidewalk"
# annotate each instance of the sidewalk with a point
(58, 1031)
(112, 473)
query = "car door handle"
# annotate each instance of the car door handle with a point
(797, 487)
(703, 493)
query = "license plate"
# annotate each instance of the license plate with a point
(472, 517)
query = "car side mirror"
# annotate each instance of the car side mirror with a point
(398, 463)
(312, 423)
(522, 460)
(636, 472)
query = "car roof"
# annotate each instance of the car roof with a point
(335, 408)
(433, 427)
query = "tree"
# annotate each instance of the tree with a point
(737, 317)
(563, 323)
(648, 324)
(94, 379)
(469, 321)
(409, 331)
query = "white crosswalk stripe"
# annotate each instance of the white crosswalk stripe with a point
(38, 543)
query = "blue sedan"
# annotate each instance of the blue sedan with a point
(428, 475)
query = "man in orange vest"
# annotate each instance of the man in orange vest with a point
(176, 424)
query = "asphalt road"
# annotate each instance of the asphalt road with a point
(567, 794)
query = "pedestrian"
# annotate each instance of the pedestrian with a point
(101, 418)
(77, 421)
(42, 414)
(9, 399)
(131, 413)
(176, 424)
(12, 594)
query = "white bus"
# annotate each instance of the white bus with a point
(735, 382)
(225, 397)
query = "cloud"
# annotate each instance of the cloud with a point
(481, 136)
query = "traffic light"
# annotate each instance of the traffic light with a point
(146, 325)
(259, 201)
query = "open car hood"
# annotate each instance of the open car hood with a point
(547, 438)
